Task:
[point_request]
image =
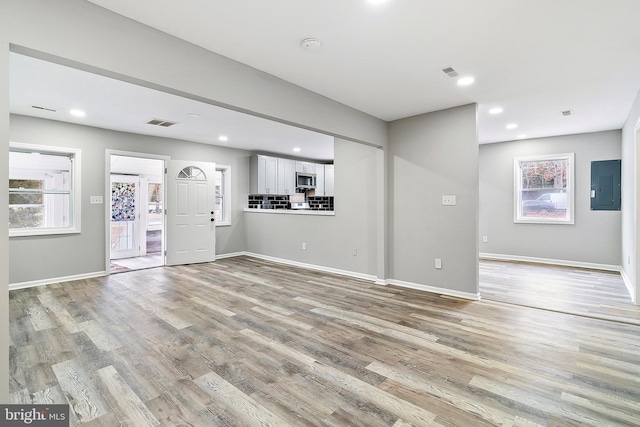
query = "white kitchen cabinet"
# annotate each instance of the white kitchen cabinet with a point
(320, 190)
(307, 167)
(328, 180)
(286, 176)
(264, 173)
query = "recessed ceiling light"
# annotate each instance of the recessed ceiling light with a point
(521, 136)
(223, 138)
(511, 126)
(77, 113)
(496, 110)
(193, 115)
(465, 81)
(297, 149)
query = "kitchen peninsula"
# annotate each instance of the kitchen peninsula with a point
(280, 185)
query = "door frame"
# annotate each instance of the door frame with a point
(107, 198)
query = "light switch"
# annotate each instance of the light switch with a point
(449, 200)
(96, 200)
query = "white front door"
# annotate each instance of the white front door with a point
(191, 230)
(125, 217)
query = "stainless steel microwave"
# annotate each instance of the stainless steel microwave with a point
(305, 180)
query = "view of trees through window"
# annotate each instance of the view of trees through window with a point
(25, 208)
(543, 189)
(42, 190)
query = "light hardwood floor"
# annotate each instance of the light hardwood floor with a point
(244, 342)
(585, 292)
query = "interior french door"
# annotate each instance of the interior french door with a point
(125, 217)
(191, 231)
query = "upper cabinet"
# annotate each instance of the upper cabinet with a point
(286, 176)
(307, 167)
(273, 175)
(328, 180)
(264, 175)
(319, 180)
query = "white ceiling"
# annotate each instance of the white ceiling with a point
(114, 104)
(533, 58)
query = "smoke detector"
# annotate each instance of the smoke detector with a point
(310, 44)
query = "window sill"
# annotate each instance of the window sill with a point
(18, 232)
(543, 221)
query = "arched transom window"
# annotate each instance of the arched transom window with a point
(192, 172)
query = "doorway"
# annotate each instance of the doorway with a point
(136, 226)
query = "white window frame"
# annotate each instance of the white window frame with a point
(75, 199)
(226, 195)
(518, 216)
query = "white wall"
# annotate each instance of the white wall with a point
(432, 155)
(630, 196)
(330, 239)
(595, 236)
(84, 253)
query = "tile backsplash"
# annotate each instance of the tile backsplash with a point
(262, 201)
(320, 203)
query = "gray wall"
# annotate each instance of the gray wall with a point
(117, 46)
(330, 239)
(66, 255)
(595, 236)
(432, 155)
(4, 213)
(630, 197)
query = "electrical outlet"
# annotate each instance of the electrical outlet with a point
(96, 200)
(485, 239)
(355, 252)
(438, 263)
(304, 246)
(449, 200)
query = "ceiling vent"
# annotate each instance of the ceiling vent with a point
(567, 112)
(163, 123)
(450, 72)
(37, 107)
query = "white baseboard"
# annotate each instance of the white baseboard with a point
(231, 255)
(590, 265)
(627, 283)
(363, 276)
(31, 284)
(435, 290)
(370, 277)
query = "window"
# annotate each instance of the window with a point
(44, 194)
(544, 189)
(223, 195)
(192, 172)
